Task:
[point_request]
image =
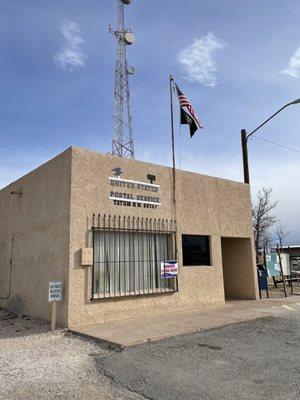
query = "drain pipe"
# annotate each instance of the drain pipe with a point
(11, 267)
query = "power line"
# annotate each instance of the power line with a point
(277, 144)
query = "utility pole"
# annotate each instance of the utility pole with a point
(245, 155)
(245, 136)
(122, 143)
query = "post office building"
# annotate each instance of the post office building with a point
(123, 240)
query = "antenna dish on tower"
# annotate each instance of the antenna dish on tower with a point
(126, 1)
(129, 38)
(130, 70)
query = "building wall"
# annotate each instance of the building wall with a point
(34, 234)
(204, 205)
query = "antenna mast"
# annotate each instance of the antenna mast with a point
(122, 143)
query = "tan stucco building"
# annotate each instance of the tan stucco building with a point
(124, 210)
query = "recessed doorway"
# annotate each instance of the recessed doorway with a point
(239, 272)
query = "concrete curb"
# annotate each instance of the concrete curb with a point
(103, 342)
(110, 345)
(119, 335)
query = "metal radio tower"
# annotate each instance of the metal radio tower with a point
(122, 144)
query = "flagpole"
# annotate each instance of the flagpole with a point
(173, 142)
(174, 171)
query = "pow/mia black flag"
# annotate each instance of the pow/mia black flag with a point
(186, 119)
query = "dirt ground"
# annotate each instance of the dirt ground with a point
(36, 364)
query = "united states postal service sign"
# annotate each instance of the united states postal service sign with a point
(169, 269)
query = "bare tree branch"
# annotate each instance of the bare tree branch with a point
(281, 233)
(262, 218)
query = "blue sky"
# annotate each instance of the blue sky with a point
(237, 61)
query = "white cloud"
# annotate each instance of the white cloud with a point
(71, 55)
(293, 68)
(198, 59)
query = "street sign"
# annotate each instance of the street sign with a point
(55, 291)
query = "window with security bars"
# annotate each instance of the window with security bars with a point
(128, 262)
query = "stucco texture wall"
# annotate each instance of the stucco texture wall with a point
(205, 205)
(34, 238)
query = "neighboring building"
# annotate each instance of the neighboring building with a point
(294, 253)
(105, 226)
(293, 250)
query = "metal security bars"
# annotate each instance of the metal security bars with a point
(128, 253)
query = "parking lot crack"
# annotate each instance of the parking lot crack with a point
(119, 384)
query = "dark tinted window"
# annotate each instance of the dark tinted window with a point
(196, 250)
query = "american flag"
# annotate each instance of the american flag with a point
(184, 102)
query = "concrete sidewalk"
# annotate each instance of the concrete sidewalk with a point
(131, 332)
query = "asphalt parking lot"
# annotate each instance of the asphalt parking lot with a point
(253, 360)
(257, 360)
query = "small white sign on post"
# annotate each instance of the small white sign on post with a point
(54, 295)
(55, 291)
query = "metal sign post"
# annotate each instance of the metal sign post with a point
(281, 270)
(266, 270)
(53, 316)
(54, 295)
(291, 271)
